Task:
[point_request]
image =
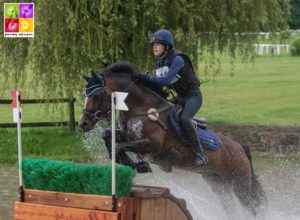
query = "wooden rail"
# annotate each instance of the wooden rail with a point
(146, 203)
(71, 107)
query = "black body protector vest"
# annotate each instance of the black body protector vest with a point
(185, 82)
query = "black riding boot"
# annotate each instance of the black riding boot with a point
(200, 157)
(192, 140)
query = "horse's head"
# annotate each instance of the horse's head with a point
(97, 102)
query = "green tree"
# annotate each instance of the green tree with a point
(76, 36)
(294, 17)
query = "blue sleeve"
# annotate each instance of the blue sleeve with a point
(176, 66)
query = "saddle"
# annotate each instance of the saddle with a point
(208, 138)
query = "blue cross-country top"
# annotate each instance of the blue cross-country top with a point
(175, 70)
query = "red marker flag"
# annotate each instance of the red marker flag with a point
(16, 96)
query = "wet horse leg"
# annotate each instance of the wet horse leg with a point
(249, 190)
(242, 189)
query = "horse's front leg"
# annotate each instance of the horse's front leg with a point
(121, 148)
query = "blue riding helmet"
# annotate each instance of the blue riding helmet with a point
(162, 36)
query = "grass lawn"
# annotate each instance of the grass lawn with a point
(52, 143)
(266, 93)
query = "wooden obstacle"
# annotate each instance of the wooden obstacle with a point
(146, 203)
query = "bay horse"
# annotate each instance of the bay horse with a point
(145, 129)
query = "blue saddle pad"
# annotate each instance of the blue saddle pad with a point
(208, 138)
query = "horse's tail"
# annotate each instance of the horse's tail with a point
(257, 199)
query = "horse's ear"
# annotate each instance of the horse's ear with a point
(86, 78)
(96, 77)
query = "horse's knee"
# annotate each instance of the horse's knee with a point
(119, 136)
(106, 135)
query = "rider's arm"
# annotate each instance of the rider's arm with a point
(170, 78)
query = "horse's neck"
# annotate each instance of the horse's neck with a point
(137, 98)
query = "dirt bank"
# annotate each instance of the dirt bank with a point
(279, 140)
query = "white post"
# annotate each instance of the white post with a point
(117, 103)
(18, 118)
(19, 139)
(113, 150)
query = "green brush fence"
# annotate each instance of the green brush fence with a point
(64, 176)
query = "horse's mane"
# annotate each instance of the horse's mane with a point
(122, 68)
(129, 70)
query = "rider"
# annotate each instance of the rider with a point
(175, 71)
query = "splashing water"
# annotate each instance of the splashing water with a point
(94, 144)
(282, 185)
(202, 202)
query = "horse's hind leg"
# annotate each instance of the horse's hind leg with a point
(241, 186)
(251, 195)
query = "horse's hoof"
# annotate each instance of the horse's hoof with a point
(143, 167)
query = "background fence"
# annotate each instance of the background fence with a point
(71, 123)
(273, 49)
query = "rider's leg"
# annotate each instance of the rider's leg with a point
(191, 138)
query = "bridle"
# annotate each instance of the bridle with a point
(96, 114)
